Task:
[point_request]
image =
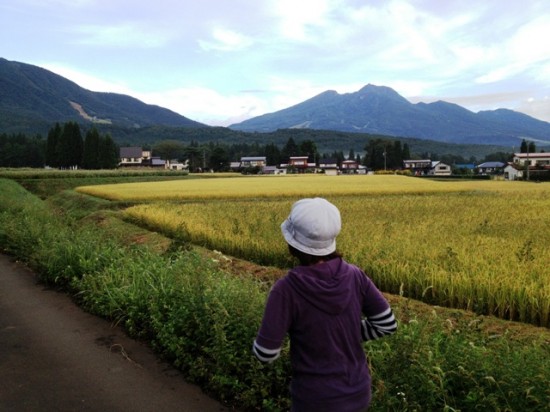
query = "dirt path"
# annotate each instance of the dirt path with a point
(54, 356)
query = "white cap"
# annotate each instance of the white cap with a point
(312, 226)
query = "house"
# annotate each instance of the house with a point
(300, 163)
(418, 167)
(329, 166)
(249, 164)
(157, 162)
(273, 170)
(177, 165)
(134, 156)
(253, 161)
(439, 169)
(464, 168)
(349, 166)
(235, 166)
(490, 168)
(534, 159)
(513, 171)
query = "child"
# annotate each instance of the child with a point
(320, 304)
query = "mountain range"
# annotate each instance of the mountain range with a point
(32, 99)
(381, 110)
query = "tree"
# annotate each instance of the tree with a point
(52, 155)
(219, 159)
(35, 152)
(289, 149)
(376, 152)
(18, 150)
(193, 154)
(272, 154)
(523, 147)
(108, 152)
(406, 151)
(309, 148)
(169, 149)
(70, 146)
(394, 155)
(498, 157)
(91, 156)
(338, 156)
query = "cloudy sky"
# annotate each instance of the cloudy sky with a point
(222, 61)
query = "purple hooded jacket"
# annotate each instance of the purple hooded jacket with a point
(321, 307)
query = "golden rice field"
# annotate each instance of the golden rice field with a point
(478, 245)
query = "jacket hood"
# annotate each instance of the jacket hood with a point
(324, 285)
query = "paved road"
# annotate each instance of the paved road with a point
(55, 357)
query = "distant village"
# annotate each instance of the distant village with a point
(524, 166)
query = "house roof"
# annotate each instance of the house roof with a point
(417, 161)
(157, 161)
(253, 158)
(514, 166)
(532, 155)
(133, 151)
(491, 165)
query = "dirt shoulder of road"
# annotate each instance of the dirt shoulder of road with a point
(57, 357)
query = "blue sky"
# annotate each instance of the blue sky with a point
(220, 62)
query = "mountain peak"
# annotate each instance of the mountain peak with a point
(380, 91)
(381, 110)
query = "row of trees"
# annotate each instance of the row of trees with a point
(65, 148)
(18, 150)
(379, 153)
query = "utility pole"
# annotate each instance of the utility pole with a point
(528, 162)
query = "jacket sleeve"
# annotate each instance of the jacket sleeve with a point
(379, 320)
(274, 327)
(378, 326)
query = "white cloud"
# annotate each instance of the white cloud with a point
(226, 40)
(295, 18)
(122, 35)
(85, 80)
(207, 105)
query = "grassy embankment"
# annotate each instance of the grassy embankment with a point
(202, 317)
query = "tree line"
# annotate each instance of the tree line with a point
(64, 148)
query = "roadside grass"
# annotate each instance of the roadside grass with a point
(196, 313)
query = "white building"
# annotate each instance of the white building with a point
(439, 169)
(533, 159)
